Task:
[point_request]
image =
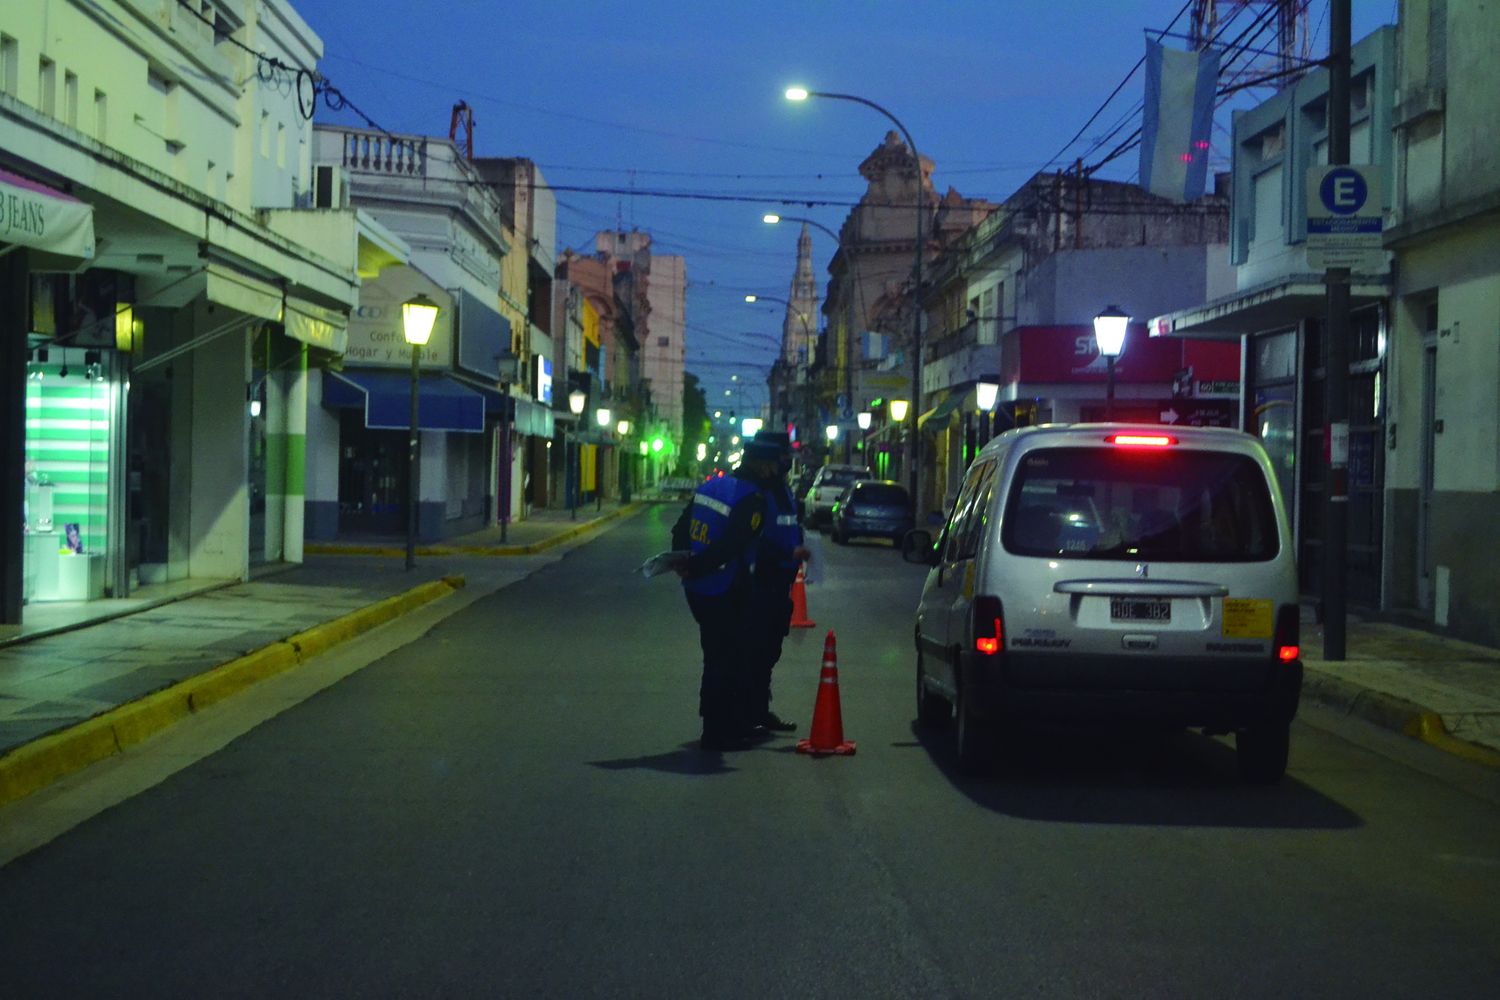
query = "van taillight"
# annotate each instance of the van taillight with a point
(1141, 440)
(989, 625)
(1288, 633)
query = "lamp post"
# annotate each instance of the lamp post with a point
(623, 429)
(914, 443)
(576, 402)
(1109, 335)
(898, 412)
(986, 394)
(602, 416)
(417, 317)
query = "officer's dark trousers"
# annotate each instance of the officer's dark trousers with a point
(721, 631)
(770, 621)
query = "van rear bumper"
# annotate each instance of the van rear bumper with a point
(1222, 695)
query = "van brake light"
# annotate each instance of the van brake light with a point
(989, 625)
(1141, 440)
(1288, 633)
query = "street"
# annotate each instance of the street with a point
(514, 805)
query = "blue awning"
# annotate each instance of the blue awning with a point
(385, 398)
(530, 418)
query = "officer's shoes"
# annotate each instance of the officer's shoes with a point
(777, 724)
(722, 743)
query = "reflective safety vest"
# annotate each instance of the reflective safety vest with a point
(782, 533)
(712, 505)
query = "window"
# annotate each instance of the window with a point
(10, 64)
(101, 115)
(970, 513)
(46, 83)
(663, 341)
(1168, 505)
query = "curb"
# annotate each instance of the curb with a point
(1394, 713)
(33, 766)
(530, 549)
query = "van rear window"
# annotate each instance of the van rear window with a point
(1167, 505)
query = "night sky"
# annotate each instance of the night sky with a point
(686, 97)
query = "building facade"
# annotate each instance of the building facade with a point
(154, 384)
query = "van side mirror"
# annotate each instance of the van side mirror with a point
(917, 547)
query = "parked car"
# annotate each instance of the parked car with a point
(801, 481)
(1102, 572)
(872, 507)
(827, 486)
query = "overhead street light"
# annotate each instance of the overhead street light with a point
(1110, 327)
(417, 318)
(914, 441)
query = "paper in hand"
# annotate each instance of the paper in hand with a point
(664, 562)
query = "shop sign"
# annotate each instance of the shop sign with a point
(376, 338)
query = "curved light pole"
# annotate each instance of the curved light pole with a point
(417, 318)
(914, 447)
(807, 333)
(773, 219)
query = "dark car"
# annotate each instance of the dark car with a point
(872, 507)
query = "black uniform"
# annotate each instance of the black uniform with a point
(722, 613)
(770, 597)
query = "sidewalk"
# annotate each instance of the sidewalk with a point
(541, 530)
(1443, 691)
(54, 679)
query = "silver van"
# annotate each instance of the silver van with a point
(1102, 572)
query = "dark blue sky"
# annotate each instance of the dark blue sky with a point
(687, 97)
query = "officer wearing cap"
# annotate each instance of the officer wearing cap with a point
(720, 527)
(779, 554)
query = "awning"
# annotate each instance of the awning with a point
(385, 398)
(941, 415)
(316, 326)
(242, 293)
(34, 215)
(1278, 303)
(530, 418)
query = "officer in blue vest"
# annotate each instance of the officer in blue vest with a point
(779, 554)
(720, 527)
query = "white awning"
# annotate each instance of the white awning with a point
(242, 293)
(312, 324)
(34, 215)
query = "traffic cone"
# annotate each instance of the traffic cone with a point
(828, 721)
(799, 601)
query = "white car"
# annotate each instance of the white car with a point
(1105, 572)
(827, 486)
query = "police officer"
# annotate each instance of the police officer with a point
(779, 554)
(720, 527)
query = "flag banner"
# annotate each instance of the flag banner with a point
(1177, 121)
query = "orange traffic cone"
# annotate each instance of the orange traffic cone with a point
(799, 601)
(828, 721)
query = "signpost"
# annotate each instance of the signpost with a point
(1344, 218)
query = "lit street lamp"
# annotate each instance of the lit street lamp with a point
(417, 317)
(577, 400)
(602, 415)
(1109, 335)
(914, 441)
(864, 419)
(832, 430)
(898, 409)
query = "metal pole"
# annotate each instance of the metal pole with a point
(1109, 393)
(506, 422)
(914, 443)
(570, 450)
(1336, 338)
(414, 460)
(598, 480)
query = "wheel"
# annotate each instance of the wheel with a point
(972, 737)
(1261, 752)
(933, 709)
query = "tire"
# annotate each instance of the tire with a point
(973, 739)
(933, 710)
(1261, 752)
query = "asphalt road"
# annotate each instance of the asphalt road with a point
(514, 805)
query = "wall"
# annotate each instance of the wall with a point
(220, 512)
(322, 464)
(1071, 286)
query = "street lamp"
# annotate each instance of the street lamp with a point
(832, 430)
(751, 425)
(577, 400)
(602, 415)
(914, 441)
(1109, 335)
(898, 409)
(864, 419)
(417, 317)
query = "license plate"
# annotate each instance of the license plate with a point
(1130, 609)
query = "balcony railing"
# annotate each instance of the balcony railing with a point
(379, 152)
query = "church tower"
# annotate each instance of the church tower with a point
(799, 331)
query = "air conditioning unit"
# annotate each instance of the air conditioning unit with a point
(330, 186)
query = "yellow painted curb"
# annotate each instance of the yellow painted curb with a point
(1429, 728)
(530, 549)
(33, 766)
